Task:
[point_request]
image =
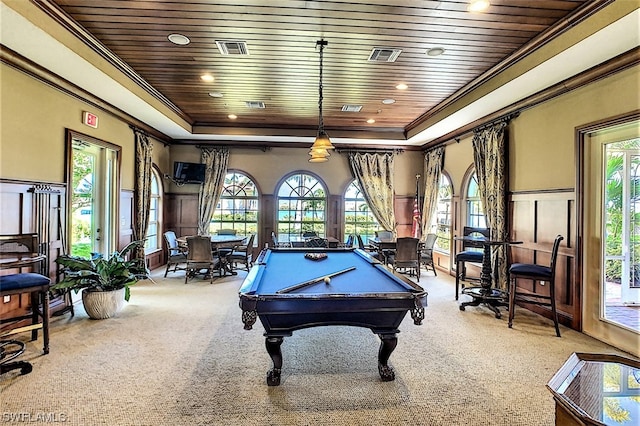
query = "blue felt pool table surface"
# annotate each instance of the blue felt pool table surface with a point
(279, 269)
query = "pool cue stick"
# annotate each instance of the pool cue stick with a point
(313, 281)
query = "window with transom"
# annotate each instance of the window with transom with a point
(301, 206)
(237, 208)
(358, 218)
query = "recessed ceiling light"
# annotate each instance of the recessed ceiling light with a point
(216, 94)
(401, 86)
(388, 101)
(435, 51)
(207, 77)
(371, 121)
(179, 39)
(232, 116)
(478, 5)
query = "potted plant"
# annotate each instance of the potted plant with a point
(105, 282)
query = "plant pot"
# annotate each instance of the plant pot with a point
(102, 304)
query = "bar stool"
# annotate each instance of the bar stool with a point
(538, 273)
(38, 286)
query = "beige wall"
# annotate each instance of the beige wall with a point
(32, 136)
(458, 157)
(268, 168)
(542, 139)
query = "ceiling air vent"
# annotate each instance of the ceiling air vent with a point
(351, 108)
(254, 104)
(384, 54)
(232, 47)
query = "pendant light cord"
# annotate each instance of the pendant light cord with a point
(322, 43)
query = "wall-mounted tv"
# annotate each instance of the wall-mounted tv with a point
(188, 172)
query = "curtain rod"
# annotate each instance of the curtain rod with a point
(370, 151)
(262, 148)
(505, 118)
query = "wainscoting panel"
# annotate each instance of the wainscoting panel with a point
(537, 217)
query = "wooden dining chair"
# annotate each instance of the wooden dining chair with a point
(542, 292)
(200, 258)
(406, 256)
(426, 253)
(278, 244)
(243, 254)
(176, 255)
(316, 242)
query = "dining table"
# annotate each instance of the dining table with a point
(486, 293)
(220, 244)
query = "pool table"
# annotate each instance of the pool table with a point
(287, 291)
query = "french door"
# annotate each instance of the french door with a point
(610, 164)
(93, 172)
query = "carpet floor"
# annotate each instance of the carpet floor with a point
(178, 355)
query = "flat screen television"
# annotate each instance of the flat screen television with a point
(188, 172)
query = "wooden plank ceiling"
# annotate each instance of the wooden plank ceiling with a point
(282, 67)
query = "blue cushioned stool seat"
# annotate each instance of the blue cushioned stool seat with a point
(38, 286)
(529, 270)
(469, 256)
(22, 281)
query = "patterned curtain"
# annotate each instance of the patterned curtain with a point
(490, 158)
(374, 172)
(216, 161)
(142, 187)
(433, 163)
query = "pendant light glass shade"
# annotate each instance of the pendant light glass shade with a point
(318, 155)
(322, 142)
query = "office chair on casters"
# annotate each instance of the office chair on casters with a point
(471, 253)
(541, 275)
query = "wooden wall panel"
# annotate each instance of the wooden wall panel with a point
(403, 210)
(34, 207)
(537, 217)
(335, 207)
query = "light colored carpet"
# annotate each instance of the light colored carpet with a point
(178, 355)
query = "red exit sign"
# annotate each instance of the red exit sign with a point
(90, 119)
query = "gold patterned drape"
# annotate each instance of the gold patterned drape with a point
(142, 187)
(433, 163)
(374, 172)
(216, 161)
(490, 158)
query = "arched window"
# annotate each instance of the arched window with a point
(301, 206)
(238, 206)
(475, 214)
(358, 218)
(153, 241)
(441, 221)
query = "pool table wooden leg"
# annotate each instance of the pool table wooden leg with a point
(387, 345)
(273, 348)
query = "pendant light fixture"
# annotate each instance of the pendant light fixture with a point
(319, 151)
